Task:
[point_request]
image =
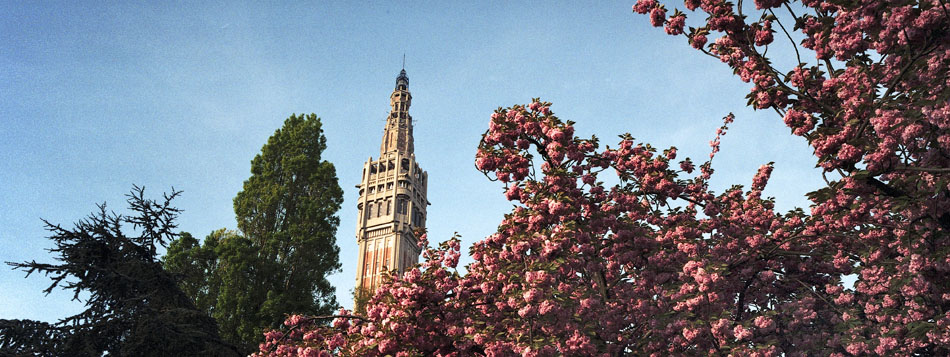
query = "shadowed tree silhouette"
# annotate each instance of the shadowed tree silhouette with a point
(134, 306)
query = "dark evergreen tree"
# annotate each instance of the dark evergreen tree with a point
(134, 308)
(278, 264)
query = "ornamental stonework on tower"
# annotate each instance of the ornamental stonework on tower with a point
(392, 201)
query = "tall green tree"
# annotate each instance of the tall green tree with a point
(288, 208)
(278, 263)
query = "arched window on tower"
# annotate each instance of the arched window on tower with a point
(369, 210)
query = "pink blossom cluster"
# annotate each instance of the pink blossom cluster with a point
(873, 104)
(581, 269)
(658, 264)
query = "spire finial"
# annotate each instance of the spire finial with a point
(404, 61)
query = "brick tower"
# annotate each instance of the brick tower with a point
(392, 199)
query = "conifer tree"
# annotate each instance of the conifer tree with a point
(134, 308)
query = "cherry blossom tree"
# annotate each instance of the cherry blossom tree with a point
(872, 100)
(659, 264)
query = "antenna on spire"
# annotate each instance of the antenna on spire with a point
(402, 81)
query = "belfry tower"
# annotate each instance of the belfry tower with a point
(392, 199)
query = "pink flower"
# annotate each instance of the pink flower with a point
(848, 153)
(513, 193)
(644, 6)
(691, 4)
(306, 352)
(687, 166)
(698, 41)
(720, 329)
(336, 341)
(765, 4)
(763, 36)
(527, 311)
(293, 320)
(764, 323)
(413, 275)
(885, 344)
(856, 348)
(741, 333)
(387, 346)
(531, 295)
(657, 16)
(690, 334)
(762, 177)
(675, 24)
(484, 164)
(800, 122)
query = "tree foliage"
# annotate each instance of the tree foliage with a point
(134, 307)
(661, 265)
(278, 264)
(195, 264)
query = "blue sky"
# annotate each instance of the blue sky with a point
(95, 98)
